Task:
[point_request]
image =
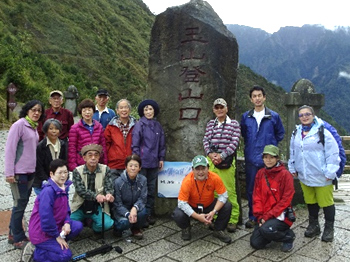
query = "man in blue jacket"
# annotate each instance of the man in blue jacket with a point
(259, 127)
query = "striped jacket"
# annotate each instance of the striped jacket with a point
(225, 136)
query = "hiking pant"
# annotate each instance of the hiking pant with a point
(228, 178)
(272, 230)
(50, 250)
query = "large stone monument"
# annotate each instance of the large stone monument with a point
(193, 61)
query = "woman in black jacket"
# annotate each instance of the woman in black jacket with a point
(50, 148)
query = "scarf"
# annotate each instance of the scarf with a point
(32, 123)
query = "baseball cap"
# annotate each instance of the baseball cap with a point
(220, 101)
(199, 161)
(102, 92)
(54, 92)
(271, 150)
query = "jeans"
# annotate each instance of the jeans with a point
(183, 221)
(20, 192)
(122, 223)
(151, 174)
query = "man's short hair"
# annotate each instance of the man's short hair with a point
(257, 88)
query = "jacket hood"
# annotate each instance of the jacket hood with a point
(276, 169)
(51, 183)
(114, 120)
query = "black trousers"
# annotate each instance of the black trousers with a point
(183, 220)
(271, 230)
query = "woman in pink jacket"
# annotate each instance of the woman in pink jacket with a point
(86, 131)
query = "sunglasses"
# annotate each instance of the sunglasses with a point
(306, 114)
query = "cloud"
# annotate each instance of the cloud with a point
(344, 74)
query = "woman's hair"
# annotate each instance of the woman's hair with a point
(86, 103)
(30, 105)
(56, 164)
(50, 121)
(308, 107)
(133, 157)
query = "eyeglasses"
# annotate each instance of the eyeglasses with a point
(305, 114)
(35, 110)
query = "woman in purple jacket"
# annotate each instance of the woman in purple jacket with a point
(20, 159)
(50, 225)
(149, 143)
(86, 131)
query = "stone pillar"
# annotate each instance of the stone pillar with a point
(71, 96)
(193, 61)
(302, 93)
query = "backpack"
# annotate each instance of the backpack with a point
(337, 138)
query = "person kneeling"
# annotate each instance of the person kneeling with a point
(50, 225)
(130, 199)
(272, 196)
(196, 199)
(93, 188)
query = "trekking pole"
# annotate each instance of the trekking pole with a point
(103, 223)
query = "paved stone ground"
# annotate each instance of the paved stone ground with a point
(162, 242)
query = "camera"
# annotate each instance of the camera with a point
(214, 148)
(290, 214)
(200, 208)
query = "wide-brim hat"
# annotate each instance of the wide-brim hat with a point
(148, 102)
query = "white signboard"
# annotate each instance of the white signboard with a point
(170, 178)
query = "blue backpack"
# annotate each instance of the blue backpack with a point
(337, 138)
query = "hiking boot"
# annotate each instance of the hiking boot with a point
(250, 224)
(313, 229)
(88, 222)
(212, 226)
(287, 246)
(151, 220)
(11, 240)
(231, 227)
(27, 252)
(186, 233)
(137, 233)
(328, 232)
(117, 233)
(220, 234)
(20, 244)
(146, 224)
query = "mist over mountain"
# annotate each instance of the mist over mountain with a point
(292, 53)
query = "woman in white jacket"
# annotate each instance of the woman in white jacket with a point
(315, 163)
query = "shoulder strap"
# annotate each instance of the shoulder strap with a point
(321, 134)
(268, 184)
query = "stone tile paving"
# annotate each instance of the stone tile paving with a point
(162, 242)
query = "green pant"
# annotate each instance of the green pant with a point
(228, 177)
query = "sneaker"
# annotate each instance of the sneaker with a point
(27, 252)
(287, 246)
(20, 244)
(137, 233)
(222, 236)
(231, 227)
(186, 234)
(151, 220)
(250, 223)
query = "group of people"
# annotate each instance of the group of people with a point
(115, 161)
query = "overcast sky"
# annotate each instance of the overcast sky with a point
(270, 15)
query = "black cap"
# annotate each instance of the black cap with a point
(102, 92)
